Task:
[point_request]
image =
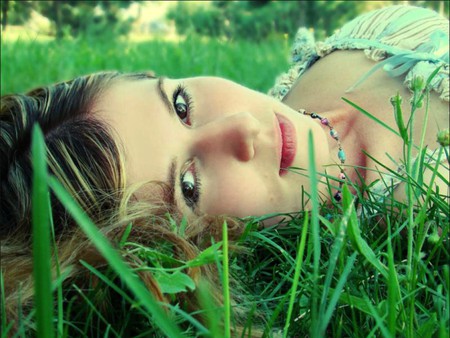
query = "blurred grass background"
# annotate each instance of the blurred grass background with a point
(246, 41)
(30, 63)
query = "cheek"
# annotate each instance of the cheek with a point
(246, 196)
(218, 100)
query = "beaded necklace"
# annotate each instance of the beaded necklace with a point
(341, 154)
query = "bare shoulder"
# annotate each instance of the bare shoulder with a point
(325, 83)
(322, 87)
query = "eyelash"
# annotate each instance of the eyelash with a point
(191, 201)
(191, 197)
(181, 91)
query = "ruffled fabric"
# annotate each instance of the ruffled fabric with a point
(404, 40)
(303, 56)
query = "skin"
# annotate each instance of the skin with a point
(360, 134)
(233, 136)
(358, 131)
(233, 140)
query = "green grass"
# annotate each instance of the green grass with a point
(331, 273)
(41, 215)
(27, 64)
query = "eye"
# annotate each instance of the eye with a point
(190, 186)
(182, 105)
(181, 108)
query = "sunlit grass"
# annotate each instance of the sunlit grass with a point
(26, 64)
(41, 214)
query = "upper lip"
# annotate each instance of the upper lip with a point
(278, 141)
(287, 143)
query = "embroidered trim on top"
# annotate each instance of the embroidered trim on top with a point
(385, 43)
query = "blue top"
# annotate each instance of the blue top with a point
(405, 40)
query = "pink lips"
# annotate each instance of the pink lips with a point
(288, 143)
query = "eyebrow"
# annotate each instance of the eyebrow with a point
(173, 162)
(163, 94)
(171, 179)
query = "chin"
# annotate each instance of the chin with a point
(281, 218)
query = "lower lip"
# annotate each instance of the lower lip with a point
(288, 143)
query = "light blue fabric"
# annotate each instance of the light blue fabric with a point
(402, 61)
(404, 40)
(399, 59)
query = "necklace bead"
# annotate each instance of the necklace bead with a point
(334, 134)
(338, 196)
(324, 121)
(341, 153)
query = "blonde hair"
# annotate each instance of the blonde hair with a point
(84, 155)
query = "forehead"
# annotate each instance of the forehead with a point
(125, 88)
(139, 118)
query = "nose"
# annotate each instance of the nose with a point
(232, 135)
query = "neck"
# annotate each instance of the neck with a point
(342, 140)
(345, 121)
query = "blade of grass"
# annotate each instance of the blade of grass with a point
(365, 112)
(2, 300)
(103, 277)
(393, 285)
(23, 322)
(354, 234)
(338, 291)
(59, 284)
(270, 242)
(315, 236)
(226, 283)
(41, 237)
(298, 267)
(275, 313)
(201, 329)
(336, 250)
(210, 309)
(411, 199)
(249, 322)
(5, 327)
(114, 259)
(94, 309)
(444, 317)
(106, 334)
(378, 319)
(189, 318)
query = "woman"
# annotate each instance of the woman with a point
(132, 148)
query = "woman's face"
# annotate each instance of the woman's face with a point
(223, 148)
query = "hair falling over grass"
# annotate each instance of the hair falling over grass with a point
(347, 276)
